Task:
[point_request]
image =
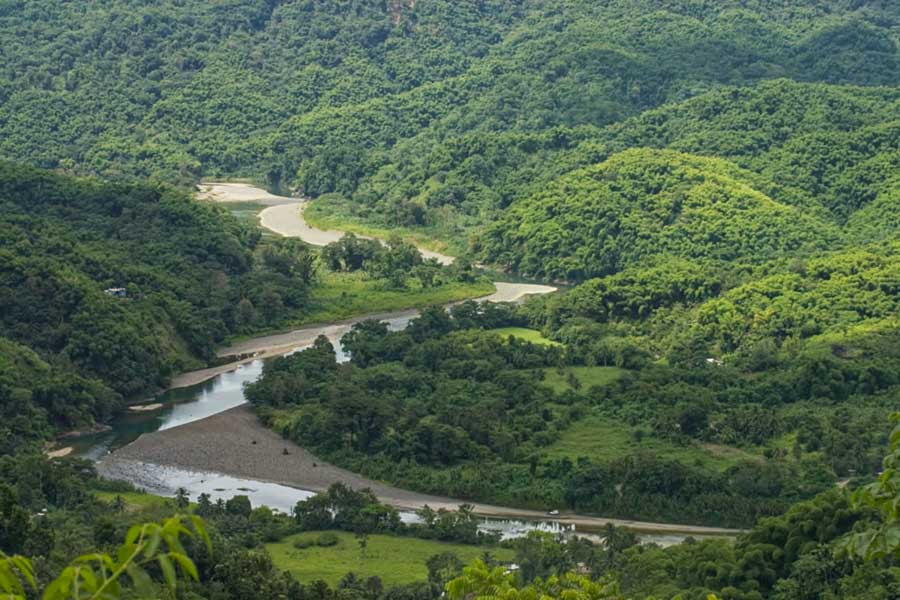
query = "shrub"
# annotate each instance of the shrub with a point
(304, 543)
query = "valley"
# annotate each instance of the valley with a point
(442, 300)
(202, 443)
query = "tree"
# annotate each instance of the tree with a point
(239, 505)
(291, 258)
(351, 253)
(182, 500)
(443, 567)
(246, 313)
(479, 581)
(427, 272)
(204, 505)
(14, 521)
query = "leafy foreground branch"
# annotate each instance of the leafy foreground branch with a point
(882, 497)
(99, 576)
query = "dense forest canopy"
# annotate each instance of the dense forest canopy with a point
(642, 203)
(439, 116)
(450, 406)
(719, 182)
(116, 287)
(283, 88)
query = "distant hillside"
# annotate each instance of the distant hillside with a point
(283, 89)
(173, 90)
(645, 203)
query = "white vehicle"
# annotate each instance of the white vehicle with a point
(553, 513)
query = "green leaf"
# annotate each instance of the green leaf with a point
(133, 534)
(88, 578)
(168, 569)
(141, 580)
(59, 587)
(895, 437)
(186, 564)
(23, 565)
(200, 528)
(152, 544)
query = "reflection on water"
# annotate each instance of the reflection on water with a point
(226, 391)
(189, 404)
(180, 407)
(222, 393)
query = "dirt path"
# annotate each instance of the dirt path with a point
(235, 443)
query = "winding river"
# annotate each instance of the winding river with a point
(200, 435)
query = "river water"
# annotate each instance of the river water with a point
(188, 404)
(226, 391)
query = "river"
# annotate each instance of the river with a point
(200, 436)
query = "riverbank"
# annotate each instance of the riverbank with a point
(288, 220)
(239, 192)
(286, 341)
(234, 443)
(276, 344)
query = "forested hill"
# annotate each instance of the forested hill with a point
(318, 94)
(645, 203)
(71, 348)
(829, 152)
(174, 90)
(441, 117)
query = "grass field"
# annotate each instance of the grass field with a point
(133, 500)
(397, 560)
(342, 295)
(601, 439)
(529, 335)
(586, 376)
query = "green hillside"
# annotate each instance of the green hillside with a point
(714, 186)
(177, 90)
(124, 285)
(643, 203)
(37, 399)
(436, 117)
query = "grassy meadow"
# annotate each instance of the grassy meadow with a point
(397, 560)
